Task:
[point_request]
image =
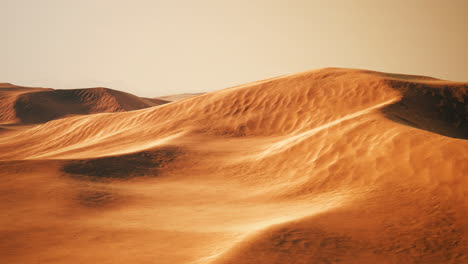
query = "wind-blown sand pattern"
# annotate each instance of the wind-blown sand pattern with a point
(326, 166)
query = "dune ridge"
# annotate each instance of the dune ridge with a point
(325, 166)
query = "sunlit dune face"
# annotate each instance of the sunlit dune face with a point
(325, 166)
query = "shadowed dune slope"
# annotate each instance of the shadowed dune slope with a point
(326, 166)
(440, 107)
(9, 94)
(26, 105)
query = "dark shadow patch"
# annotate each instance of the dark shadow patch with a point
(146, 163)
(436, 107)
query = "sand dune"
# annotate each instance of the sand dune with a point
(177, 97)
(25, 105)
(326, 166)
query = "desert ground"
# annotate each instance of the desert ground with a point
(325, 166)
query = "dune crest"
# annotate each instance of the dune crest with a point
(325, 166)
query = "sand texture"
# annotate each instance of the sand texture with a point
(325, 166)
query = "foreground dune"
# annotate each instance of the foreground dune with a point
(326, 166)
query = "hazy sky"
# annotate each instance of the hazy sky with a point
(151, 47)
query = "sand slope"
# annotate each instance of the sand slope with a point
(326, 166)
(25, 105)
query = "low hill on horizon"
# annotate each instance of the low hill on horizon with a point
(178, 97)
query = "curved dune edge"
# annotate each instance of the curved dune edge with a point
(326, 166)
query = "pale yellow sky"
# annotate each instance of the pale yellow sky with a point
(151, 47)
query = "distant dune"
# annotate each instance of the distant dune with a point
(178, 97)
(325, 166)
(27, 105)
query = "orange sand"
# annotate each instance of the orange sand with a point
(325, 166)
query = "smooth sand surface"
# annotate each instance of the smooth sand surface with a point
(326, 166)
